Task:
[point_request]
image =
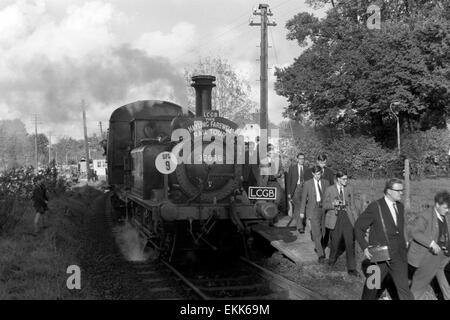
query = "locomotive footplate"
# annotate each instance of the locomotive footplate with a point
(195, 211)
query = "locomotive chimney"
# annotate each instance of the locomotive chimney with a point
(203, 85)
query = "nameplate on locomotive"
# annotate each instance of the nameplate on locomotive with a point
(211, 114)
(262, 193)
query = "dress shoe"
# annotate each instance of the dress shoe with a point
(301, 230)
(353, 273)
(322, 259)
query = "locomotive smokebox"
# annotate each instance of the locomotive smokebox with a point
(203, 85)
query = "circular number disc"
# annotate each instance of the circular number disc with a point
(166, 162)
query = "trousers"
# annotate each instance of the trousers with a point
(342, 239)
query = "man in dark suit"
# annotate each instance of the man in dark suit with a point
(387, 211)
(327, 173)
(429, 250)
(311, 203)
(339, 205)
(40, 200)
(295, 179)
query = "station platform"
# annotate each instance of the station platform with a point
(297, 247)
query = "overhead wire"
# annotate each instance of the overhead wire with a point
(230, 27)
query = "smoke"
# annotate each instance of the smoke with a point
(131, 245)
(49, 64)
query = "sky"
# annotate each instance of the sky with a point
(54, 54)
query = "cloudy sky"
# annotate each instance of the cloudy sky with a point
(56, 53)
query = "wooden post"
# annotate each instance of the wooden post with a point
(407, 187)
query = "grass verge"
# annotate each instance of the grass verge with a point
(34, 267)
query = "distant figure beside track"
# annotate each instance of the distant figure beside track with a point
(39, 201)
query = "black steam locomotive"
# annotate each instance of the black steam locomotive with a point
(198, 199)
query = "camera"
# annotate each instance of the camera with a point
(340, 206)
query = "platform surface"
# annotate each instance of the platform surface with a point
(297, 247)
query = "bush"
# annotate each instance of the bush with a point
(428, 152)
(360, 156)
(363, 157)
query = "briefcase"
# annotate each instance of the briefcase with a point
(379, 253)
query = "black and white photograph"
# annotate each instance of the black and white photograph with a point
(237, 151)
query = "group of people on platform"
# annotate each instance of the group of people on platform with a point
(405, 260)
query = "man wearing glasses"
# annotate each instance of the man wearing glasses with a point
(429, 250)
(339, 206)
(385, 218)
(311, 203)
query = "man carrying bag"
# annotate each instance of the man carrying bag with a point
(386, 246)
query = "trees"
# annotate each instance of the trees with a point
(231, 96)
(14, 147)
(350, 74)
(42, 148)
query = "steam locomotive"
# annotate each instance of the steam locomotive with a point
(195, 200)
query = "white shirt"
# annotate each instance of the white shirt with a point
(391, 208)
(299, 177)
(440, 219)
(438, 215)
(317, 189)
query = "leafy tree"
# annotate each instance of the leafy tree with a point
(42, 148)
(231, 96)
(350, 74)
(14, 148)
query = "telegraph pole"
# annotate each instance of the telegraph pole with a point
(101, 129)
(86, 144)
(49, 147)
(264, 12)
(35, 142)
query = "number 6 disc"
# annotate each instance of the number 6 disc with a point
(166, 162)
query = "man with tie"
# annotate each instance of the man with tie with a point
(327, 173)
(295, 180)
(339, 206)
(429, 250)
(385, 218)
(311, 203)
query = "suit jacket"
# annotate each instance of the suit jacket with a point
(395, 235)
(308, 203)
(424, 230)
(332, 193)
(39, 197)
(292, 178)
(328, 175)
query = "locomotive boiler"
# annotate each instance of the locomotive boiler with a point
(199, 197)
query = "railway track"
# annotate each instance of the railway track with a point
(216, 276)
(239, 279)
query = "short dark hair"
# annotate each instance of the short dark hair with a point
(341, 173)
(316, 169)
(390, 183)
(300, 154)
(322, 157)
(442, 197)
